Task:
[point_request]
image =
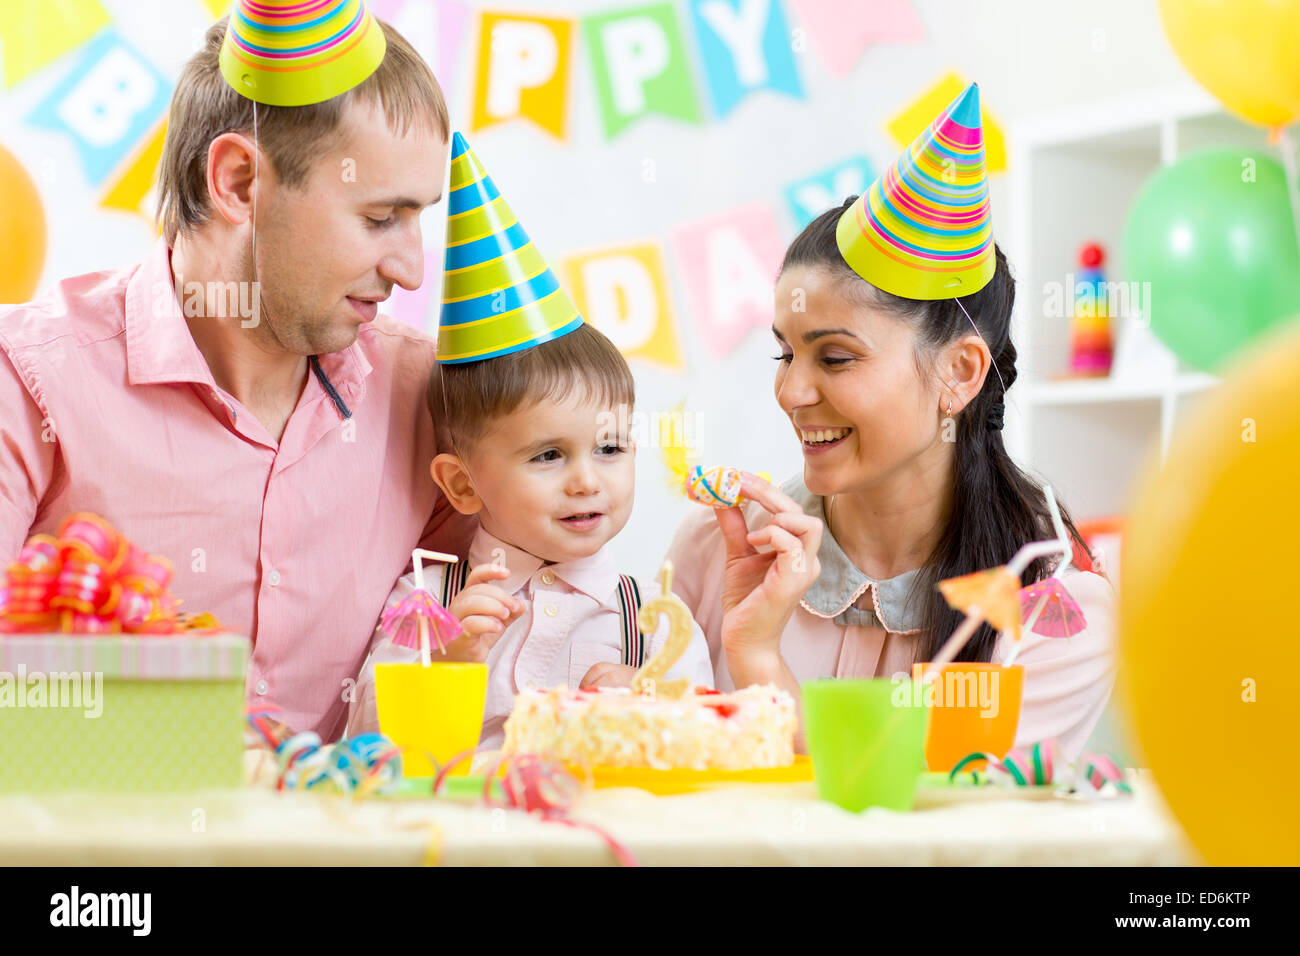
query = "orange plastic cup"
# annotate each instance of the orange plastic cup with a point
(976, 709)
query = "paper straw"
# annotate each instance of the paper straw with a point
(952, 647)
(417, 558)
(1067, 552)
(420, 553)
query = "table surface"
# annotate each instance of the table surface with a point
(766, 824)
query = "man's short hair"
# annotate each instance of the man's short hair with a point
(465, 399)
(204, 106)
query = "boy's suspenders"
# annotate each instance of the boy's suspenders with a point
(453, 580)
(629, 603)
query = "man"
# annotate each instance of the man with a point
(234, 402)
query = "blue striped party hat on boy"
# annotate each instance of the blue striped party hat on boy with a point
(498, 294)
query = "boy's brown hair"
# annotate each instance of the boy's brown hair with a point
(204, 106)
(465, 399)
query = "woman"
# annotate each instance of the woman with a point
(897, 402)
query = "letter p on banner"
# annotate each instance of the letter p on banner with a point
(523, 71)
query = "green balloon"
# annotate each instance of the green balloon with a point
(1213, 235)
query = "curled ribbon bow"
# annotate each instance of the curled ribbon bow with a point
(89, 580)
(1039, 766)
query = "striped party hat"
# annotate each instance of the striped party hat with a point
(498, 294)
(924, 230)
(298, 52)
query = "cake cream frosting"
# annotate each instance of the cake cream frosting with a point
(613, 727)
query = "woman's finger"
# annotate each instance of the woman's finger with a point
(768, 495)
(731, 521)
(782, 540)
(800, 525)
(805, 527)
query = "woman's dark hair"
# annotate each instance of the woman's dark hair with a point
(997, 508)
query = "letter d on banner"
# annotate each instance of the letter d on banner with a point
(523, 71)
(623, 292)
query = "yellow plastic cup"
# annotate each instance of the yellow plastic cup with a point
(975, 709)
(435, 710)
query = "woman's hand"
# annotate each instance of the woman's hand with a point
(761, 589)
(485, 611)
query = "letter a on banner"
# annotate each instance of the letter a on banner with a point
(522, 71)
(729, 264)
(640, 64)
(623, 291)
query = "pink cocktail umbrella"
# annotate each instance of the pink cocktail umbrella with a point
(410, 622)
(1049, 609)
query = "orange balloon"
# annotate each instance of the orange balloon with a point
(22, 231)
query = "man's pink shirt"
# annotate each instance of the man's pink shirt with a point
(107, 405)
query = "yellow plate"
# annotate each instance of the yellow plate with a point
(669, 782)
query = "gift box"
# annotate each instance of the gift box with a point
(121, 712)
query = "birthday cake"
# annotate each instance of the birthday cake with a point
(614, 727)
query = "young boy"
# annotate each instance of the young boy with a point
(537, 457)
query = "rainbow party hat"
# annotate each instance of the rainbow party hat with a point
(924, 230)
(498, 294)
(298, 52)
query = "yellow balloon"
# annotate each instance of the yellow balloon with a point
(1210, 613)
(22, 231)
(1245, 52)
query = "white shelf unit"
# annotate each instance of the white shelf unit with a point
(1073, 175)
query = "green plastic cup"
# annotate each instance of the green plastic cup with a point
(867, 741)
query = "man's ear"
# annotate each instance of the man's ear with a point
(450, 474)
(233, 173)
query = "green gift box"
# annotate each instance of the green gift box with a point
(121, 712)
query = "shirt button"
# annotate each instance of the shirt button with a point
(548, 577)
(273, 579)
(261, 688)
(552, 610)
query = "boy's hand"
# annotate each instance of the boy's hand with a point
(603, 674)
(485, 611)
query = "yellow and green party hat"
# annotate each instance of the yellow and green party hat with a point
(498, 294)
(924, 229)
(299, 52)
